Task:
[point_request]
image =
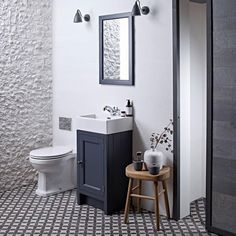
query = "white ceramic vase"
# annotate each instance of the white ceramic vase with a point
(153, 156)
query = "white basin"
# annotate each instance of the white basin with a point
(104, 124)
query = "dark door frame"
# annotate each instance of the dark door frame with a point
(209, 118)
(176, 109)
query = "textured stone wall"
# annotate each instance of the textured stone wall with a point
(111, 49)
(25, 86)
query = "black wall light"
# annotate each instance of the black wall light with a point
(79, 18)
(138, 9)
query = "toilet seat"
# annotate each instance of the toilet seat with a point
(49, 153)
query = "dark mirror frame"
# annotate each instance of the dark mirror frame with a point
(131, 49)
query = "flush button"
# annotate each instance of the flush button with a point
(65, 123)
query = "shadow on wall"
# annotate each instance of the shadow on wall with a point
(138, 143)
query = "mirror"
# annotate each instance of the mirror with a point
(116, 49)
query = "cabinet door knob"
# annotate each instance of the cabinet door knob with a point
(80, 162)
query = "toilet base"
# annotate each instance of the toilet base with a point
(41, 193)
(56, 176)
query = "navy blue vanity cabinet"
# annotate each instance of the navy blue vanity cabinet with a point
(101, 162)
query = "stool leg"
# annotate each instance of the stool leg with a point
(156, 205)
(166, 198)
(139, 192)
(128, 200)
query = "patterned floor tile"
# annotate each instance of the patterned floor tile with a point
(24, 213)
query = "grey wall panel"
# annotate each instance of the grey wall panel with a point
(224, 116)
(223, 219)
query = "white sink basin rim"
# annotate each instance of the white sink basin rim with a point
(104, 124)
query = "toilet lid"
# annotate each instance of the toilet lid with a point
(50, 152)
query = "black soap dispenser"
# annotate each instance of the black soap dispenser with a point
(129, 108)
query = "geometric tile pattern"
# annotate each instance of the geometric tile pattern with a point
(22, 212)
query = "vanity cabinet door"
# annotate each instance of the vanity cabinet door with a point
(90, 160)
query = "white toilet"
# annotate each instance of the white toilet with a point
(56, 169)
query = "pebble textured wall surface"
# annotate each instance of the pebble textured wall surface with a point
(25, 86)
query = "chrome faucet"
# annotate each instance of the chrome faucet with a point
(115, 111)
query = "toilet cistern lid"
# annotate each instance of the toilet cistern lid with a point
(50, 152)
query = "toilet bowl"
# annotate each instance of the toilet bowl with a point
(56, 169)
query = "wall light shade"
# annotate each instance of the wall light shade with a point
(137, 9)
(79, 18)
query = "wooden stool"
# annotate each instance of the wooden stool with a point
(144, 175)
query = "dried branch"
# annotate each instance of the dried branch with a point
(163, 138)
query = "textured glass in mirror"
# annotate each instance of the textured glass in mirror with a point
(116, 49)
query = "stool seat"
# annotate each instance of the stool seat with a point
(144, 175)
